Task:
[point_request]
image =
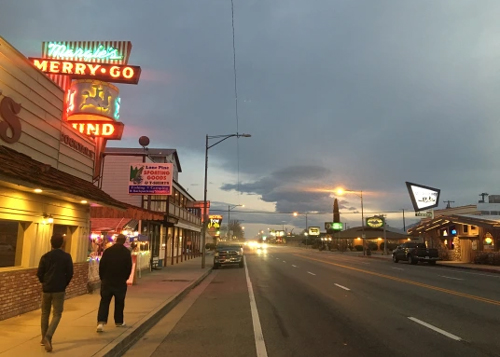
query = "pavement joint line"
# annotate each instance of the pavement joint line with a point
(260, 344)
(129, 338)
(411, 282)
(311, 273)
(342, 287)
(437, 329)
(449, 277)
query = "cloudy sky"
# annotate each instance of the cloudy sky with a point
(360, 94)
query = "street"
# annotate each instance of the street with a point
(328, 304)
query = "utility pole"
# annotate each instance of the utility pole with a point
(404, 223)
(448, 203)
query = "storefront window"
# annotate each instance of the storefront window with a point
(66, 231)
(9, 246)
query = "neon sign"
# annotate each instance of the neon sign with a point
(60, 50)
(91, 97)
(86, 70)
(108, 130)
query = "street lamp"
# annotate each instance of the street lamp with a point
(295, 214)
(205, 217)
(341, 191)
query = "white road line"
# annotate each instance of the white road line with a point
(342, 287)
(449, 277)
(294, 266)
(284, 261)
(311, 273)
(491, 276)
(398, 268)
(260, 344)
(437, 329)
(365, 263)
(278, 258)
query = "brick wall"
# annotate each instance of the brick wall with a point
(20, 290)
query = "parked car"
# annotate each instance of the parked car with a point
(228, 255)
(414, 253)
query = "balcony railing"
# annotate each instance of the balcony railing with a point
(182, 213)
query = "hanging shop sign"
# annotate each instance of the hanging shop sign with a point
(214, 222)
(91, 98)
(375, 222)
(87, 70)
(10, 124)
(117, 52)
(333, 226)
(423, 197)
(150, 179)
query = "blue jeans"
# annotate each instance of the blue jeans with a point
(107, 293)
(49, 301)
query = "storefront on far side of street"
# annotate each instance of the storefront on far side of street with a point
(46, 171)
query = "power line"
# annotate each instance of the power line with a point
(236, 97)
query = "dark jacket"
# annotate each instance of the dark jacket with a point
(55, 271)
(115, 265)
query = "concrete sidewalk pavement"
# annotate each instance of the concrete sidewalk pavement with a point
(155, 294)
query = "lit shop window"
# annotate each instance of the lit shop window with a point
(10, 244)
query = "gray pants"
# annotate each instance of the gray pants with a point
(56, 301)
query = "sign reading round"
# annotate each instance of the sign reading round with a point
(375, 222)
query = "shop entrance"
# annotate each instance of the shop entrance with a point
(466, 250)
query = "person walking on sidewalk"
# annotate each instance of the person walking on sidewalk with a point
(114, 270)
(55, 271)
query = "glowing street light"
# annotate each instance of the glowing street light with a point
(295, 214)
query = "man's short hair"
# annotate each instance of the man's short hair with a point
(121, 239)
(57, 240)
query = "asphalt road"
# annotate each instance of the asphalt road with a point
(314, 303)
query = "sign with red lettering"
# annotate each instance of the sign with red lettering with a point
(86, 70)
(150, 179)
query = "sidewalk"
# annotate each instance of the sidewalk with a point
(155, 294)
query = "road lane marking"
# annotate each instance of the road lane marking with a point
(311, 273)
(278, 258)
(342, 287)
(294, 266)
(398, 268)
(406, 281)
(466, 272)
(260, 344)
(365, 263)
(284, 261)
(437, 329)
(449, 277)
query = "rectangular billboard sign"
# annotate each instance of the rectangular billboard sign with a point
(150, 179)
(116, 52)
(423, 197)
(314, 231)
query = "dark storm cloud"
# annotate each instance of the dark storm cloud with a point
(378, 92)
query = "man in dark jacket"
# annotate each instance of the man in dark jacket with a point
(114, 270)
(54, 272)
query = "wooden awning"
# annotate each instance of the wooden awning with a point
(131, 212)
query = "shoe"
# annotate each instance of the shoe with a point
(100, 328)
(48, 344)
(42, 343)
(123, 324)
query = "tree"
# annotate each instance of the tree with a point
(237, 230)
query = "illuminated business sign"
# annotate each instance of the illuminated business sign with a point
(423, 197)
(214, 222)
(333, 226)
(314, 231)
(116, 52)
(93, 98)
(108, 130)
(87, 70)
(150, 179)
(375, 222)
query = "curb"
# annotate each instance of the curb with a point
(126, 340)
